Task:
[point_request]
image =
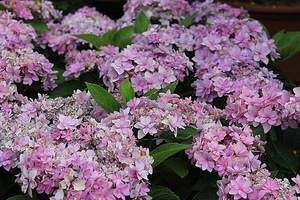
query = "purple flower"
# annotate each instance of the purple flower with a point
(256, 194)
(67, 122)
(240, 188)
(267, 117)
(297, 181)
(145, 125)
(270, 186)
(212, 42)
(139, 83)
(204, 161)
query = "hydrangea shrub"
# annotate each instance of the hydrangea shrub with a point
(171, 101)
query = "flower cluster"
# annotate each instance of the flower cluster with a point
(61, 149)
(174, 34)
(86, 60)
(226, 150)
(7, 90)
(290, 115)
(163, 12)
(227, 51)
(48, 12)
(233, 152)
(149, 63)
(26, 9)
(260, 99)
(257, 186)
(85, 21)
(230, 151)
(15, 34)
(24, 66)
(60, 144)
(147, 66)
(22, 9)
(71, 148)
(210, 11)
(169, 112)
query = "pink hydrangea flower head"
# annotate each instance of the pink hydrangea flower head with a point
(240, 188)
(270, 186)
(84, 21)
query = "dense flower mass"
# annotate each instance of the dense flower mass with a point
(24, 66)
(62, 149)
(85, 21)
(210, 11)
(15, 34)
(86, 60)
(163, 12)
(63, 136)
(170, 113)
(148, 67)
(260, 99)
(72, 148)
(27, 9)
(257, 186)
(226, 52)
(227, 150)
(174, 34)
(22, 9)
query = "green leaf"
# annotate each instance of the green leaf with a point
(150, 93)
(259, 130)
(185, 22)
(165, 151)
(182, 134)
(288, 46)
(2, 7)
(183, 187)
(170, 87)
(291, 137)
(22, 197)
(66, 89)
(122, 35)
(127, 91)
(7, 181)
(208, 194)
(108, 37)
(283, 155)
(201, 184)
(208, 24)
(287, 37)
(141, 23)
(103, 98)
(60, 71)
(274, 173)
(273, 135)
(124, 44)
(38, 25)
(277, 37)
(178, 166)
(90, 77)
(93, 39)
(162, 193)
(36, 15)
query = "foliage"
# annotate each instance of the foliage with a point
(170, 102)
